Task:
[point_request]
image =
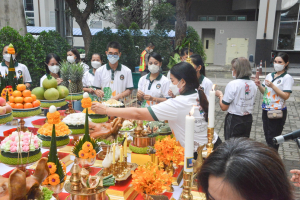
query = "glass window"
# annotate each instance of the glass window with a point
(30, 22)
(241, 18)
(286, 38)
(231, 18)
(221, 18)
(202, 18)
(291, 14)
(211, 18)
(28, 5)
(29, 14)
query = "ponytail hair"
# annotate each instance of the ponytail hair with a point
(203, 102)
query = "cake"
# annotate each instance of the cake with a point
(20, 145)
(75, 122)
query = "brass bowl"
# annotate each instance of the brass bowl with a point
(142, 141)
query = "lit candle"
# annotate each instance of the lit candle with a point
(121, 154)
(125, 145)
(114, 154)
(189, 142)
(211, 108)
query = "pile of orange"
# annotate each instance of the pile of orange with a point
(23, 99)
(61, 129)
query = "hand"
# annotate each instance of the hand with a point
(219, 93)
(170, 93)
(99, 93)
(148, 98)
(27, 85)
(257, 82)
(91, 90)
(99, 108)
(296, 177)
(269, 83)
(59, 80)
(140, 94)
(117, 97)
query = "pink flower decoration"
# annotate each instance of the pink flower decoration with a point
(25, 148)
(36, 146)
(13, 148)
(13, 143)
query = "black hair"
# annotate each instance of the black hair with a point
(203, 102)
(197, 60)
(76, 53)
(114, 45)
(98, 55)
(185, 51)
(48, 58)
(255, 170)
(150, 44)
(156, 56)
(186, 71)
(285, 57)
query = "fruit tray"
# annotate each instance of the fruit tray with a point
(57, 103)
(6, 118)
(74, 96)
(23, 113)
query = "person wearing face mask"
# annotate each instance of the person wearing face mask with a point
(276, 89)
(238, 100)
(88, 77)
(153, 88)
(113, 80)
(204, 82)
(20, 68)
(185, 82)
(52, 67)
(73, 56)
(145, 57)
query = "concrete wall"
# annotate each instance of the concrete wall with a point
(246, 29)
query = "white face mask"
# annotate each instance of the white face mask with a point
(153, 69)
(96, 64)
(71, 59)
(54, 69)
(6, 57)
(151, 50)
(233, 75)
(174, 89)
(278, 67)
(113, 58)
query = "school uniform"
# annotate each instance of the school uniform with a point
(206, 84)
(113, 82)
(20, 69)
(271, 101)
(240, 96)
(175, 110)
(85, 67)
(158, 88)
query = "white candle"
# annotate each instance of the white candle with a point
(114, 154)
(211, 108)
(125, 145)
(189, 142)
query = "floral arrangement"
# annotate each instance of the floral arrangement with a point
(61, 129)
(53, 118)
(150, 179)
(86, 147)
(11, 49)
(7, 91)
(168, 149)
(22, 141)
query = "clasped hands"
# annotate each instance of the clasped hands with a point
(141, 95)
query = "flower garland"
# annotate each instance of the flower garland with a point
(53, 118)
(168, 149)
(150, 179)
(87, 151)
(7, 91)
(54, 178)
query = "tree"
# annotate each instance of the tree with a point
(164, 14)
(82, 15)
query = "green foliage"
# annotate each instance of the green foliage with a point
(195, 42)
(164, 13)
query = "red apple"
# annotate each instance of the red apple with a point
(8, 108)
(2, 110)
(2, 101)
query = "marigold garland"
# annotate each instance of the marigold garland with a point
(52, 167)
(168, 149)
(92, 154)
(54, 179)
(7, 91)
(87, 147)
(83, 155)
(86, 102)
(11, 49)
(150, 179)
(53, 118)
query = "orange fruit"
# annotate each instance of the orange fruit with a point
(26, 93)
(18, 99)
(28, 105)
(21, 87)
(28, 99)
(33, 97)
(17, 93)
(11, 99)
(19, 106)
(12, 105)
(36, 103)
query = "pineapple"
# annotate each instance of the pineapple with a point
(73, 79)
(65, 73)
(80, 73)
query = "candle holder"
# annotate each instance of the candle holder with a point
(107, 171)
(187, 185)
(210, 136)
(125, 165)
(114, 170)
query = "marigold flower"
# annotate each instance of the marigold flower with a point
(83, 155)
(86, 102)
(53, 118)
(52, 167)
(46, 181)
(54, 179)
(87, 147)
(92, 154)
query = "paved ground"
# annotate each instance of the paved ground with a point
(289, 151)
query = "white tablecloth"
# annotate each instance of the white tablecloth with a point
(4, 169)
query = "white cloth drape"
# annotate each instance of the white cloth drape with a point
(287, 4)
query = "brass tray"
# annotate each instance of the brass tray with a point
(130, 167)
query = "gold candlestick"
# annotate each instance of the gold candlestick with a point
(187, 185)
(125, 165)
(210, 136)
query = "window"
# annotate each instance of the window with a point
(231, 18)
(221, 18)
(211, 18)
(242, 18)
(202, 18)
(28, 5)
(29, 12)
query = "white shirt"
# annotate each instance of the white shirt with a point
(271, 101)
(85, 66)
(20, 69)
(159, 87)
(113, 83)
(88, 78)
(206, 84)
(42, 79)
(240, 96)
(175, 110)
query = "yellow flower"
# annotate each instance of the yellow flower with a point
(87, 147)
(86, 102)
(54, 179)
(52, 167)
(83, 155)
(92, 154)
(46, 181)
(53, 118)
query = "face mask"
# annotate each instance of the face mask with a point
(278, 67)
(233, 75)
(71, 59)
(153, 68)
(113, 58)
(151, 50)
(6, 57)
(54, 69)
(96, 64)
(175, 90)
